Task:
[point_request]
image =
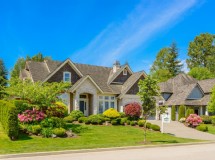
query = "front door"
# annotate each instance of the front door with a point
(83, 107)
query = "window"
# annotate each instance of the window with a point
(125, 72)
(106, 102)
(66, 76)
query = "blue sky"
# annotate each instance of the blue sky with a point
(101, 31)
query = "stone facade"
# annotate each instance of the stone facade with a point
(87, 87)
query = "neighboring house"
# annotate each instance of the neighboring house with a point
(94, 88)
(185, 90)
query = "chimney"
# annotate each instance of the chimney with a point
(116, 66)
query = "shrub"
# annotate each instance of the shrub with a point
(193, 120)
(133, 123)
(181, 112)
(173, 113)
(59, 109)
(123, 121)
(60, 132)
(36, 129)
(22, 105)
(23, 127)
(133, 110)
(107, 119)
(8, 119)
(46, 132)
(96, 119)
(202, 127)
(213, 120)
(188, 112)
(122, 114)
(69, 119)
(87, 121)
(78, 128)
(206, 119)
(82, 119)
(148, 125)
(128, 122)
(141, 123)
(111, 113)
(155, 127)
(76, 114)
(182, 120)
(31, 116)
(114, 122)
(53, 122)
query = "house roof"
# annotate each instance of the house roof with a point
(182, 85)
(100, 75)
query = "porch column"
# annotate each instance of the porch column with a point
(206, 111)
(95, 104)
(76, 101)
(201, 111)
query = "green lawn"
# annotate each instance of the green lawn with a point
(211, 128)
(91, 137)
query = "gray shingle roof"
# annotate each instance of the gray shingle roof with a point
(207, 85)
(100, 75)
(182, 85)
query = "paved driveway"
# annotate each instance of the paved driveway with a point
(180, 130)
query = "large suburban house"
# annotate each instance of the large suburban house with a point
(94, 88)
(185, 90)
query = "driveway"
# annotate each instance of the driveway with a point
(180, 130)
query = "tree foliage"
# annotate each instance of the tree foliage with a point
(166, 64)
(201, 52)
(40, 94)
(20, 63)
(211, 104)
(148, 89)
(3, 78)
(201, 73)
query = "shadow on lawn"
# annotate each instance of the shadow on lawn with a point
(24, 137)
(165, 141)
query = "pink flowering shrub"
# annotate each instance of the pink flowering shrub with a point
(31, 116)
(193, 120)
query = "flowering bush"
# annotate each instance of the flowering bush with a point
(111, 113)
(59, 109)
(193, 120)
(31, 116)
(133, 110)
(182, 120)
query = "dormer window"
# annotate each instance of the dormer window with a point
(66, 76)
(125, 72)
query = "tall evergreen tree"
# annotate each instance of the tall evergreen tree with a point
(3, 78)
(20, 63)
(3, 74)
(201, 52)
(174, 65)
(166, 64)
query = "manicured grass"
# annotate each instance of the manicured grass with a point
(91, 137)
(211, 128)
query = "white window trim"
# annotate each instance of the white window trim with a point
(64, 76)
(125, 72)
(103, 100)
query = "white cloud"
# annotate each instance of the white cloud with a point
(119, 39)
(185, 69)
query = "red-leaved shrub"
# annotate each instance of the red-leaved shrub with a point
(133, 110)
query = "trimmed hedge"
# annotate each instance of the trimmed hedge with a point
(202, 127)
(181, 112)
(9, 119)
(173, 112)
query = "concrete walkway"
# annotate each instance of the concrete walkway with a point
(180, 130)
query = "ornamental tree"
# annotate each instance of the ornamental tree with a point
(133, 110)
(40, 94)
(148, 90)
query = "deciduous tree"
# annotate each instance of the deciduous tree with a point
(148, 89)
(201, 73)
(201, 52)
